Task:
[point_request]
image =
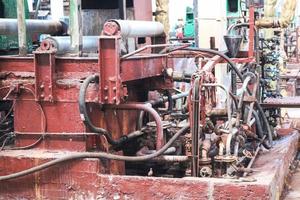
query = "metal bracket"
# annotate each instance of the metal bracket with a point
(44, 69)
(111, 88)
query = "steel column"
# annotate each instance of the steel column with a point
(21, 28)
(76, 26)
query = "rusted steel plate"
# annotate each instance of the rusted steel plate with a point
(284, 102)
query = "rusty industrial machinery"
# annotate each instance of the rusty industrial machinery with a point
(128, 112)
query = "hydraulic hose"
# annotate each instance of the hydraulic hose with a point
(233, 67)
(85, 117)
(96, 155)
(259, 127)
(226, 58)
(146, 108)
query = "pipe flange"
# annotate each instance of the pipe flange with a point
(46, 45)
(204, 161)
(111, 28)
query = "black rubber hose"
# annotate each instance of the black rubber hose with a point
(259, 127)
(170, 101)
(85, 117)
(96, 155)
(233, 67)
(228, 60)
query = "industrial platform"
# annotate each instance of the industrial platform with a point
(82, 180)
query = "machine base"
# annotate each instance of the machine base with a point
(88, 179)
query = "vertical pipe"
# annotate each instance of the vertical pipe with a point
(196, 18)
(76, 26)
(122, 9)
(37, 7)
(21, 27)
(297, 45)
(251, 31)
(195, 129)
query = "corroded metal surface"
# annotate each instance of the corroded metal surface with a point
(284, 102)
(81, 179)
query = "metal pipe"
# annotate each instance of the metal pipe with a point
(228, 101)
(241, 100)
(130, 28)
(21, 28)
(238, 73)
(165, 99)
(144, 151)
(36, 12)
(231, 133)
(195, 130)
(76, 26)
(147, 108)
(196, 18)
(148, 47)
(63, 44)
(10, 26)
(166, 158)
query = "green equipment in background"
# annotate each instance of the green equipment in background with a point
(8, 9)
(189, 26)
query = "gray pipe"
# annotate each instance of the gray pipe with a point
(130, 28)
(10, 26)
(63, 44)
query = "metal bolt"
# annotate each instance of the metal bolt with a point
(114, 88)
(105, 88)
(42, 86)
(106, 98)
(42, 96)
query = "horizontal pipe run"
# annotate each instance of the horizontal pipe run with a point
(10, 26)
(165, 99)
(63, 44)
(166, 158)
(133, 28)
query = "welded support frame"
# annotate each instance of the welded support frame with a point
(109, 70)
(44, 69)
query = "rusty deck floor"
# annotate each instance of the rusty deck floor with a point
(294, 190)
